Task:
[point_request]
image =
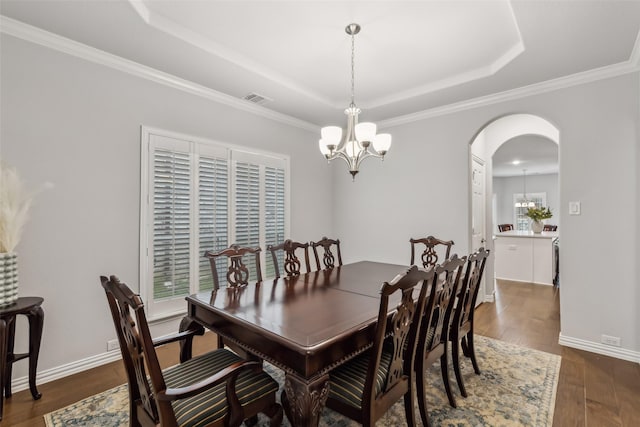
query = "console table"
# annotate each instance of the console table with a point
(30, 307)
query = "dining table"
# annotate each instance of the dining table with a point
(306, 325)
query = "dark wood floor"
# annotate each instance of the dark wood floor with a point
(593, 390)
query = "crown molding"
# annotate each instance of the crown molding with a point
(53, 41)
(170, 27)
(602, 73)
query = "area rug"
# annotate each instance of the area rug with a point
(517, 387)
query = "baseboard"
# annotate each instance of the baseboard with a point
(599, 348)
(490, 297)
(48, 375)
(62, 371)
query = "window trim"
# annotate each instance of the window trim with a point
(234, 152)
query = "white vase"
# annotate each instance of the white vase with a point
(537, 226)
(8, 278)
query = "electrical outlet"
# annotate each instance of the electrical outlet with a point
(113, 345)
(609, 340)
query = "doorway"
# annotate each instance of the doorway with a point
(483, 146)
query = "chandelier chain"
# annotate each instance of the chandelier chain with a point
(353, 69)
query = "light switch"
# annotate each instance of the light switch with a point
(574, 208)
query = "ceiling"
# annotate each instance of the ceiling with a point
(410, 56)
(536, 154)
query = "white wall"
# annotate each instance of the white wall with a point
(423, 188)
(77, 125)
(505, 187)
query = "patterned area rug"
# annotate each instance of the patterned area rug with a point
(517, 387)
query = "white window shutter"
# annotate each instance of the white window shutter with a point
(247, 209)
(274, 221)
(213, 216)
(171, 223)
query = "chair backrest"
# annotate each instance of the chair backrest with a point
(549, 227)
(397, 336)
(505, 227)
(136, 346)
(328, 257)
(448, 277)
(430, 255)
(291, 263)
(469, 288)
(237, 271)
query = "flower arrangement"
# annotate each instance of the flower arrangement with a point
(538, 214)
(15, 202)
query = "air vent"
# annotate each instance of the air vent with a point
(256, 98)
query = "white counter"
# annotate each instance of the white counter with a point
(543, 235)
(525, 256)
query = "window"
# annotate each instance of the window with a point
(200, 195)
(521, 220)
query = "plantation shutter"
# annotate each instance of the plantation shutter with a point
(247, 209)
(213, 213)
(200, 196)
(171, 219)
(274, 214)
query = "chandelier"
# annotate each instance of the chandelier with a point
(360, 140)
(525, 203)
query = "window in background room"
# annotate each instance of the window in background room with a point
(199, 195)
(521, 220)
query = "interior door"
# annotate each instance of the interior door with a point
(478, 235)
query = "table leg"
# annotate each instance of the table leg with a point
(36, 321)
(303, 400)
(186, 345)
(3, 361)
(8, 353)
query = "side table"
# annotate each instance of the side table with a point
(30, 307)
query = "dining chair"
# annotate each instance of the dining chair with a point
(432, 245)
(290, 262)
(328, 258)
(434, 334)
(461, 333)
(505, 227)
(365, 387)
(549, 227)
(237, 272)
(214, 389)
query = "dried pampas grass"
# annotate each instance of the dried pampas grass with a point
(15, 202)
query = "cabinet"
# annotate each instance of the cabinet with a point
(525, 256)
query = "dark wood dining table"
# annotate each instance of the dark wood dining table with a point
(305, 325)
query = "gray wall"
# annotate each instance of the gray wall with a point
(423, 188)
(77, 125)
(505, 187)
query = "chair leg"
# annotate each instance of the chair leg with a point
(251, 421)
(275, 415)
(444, 367)
(472, 351)
(455, 354)
(409, 410)
(421, 383)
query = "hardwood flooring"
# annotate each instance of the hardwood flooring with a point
(593, 390)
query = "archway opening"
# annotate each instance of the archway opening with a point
(487, 141)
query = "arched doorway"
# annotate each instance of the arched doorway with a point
(483, 146)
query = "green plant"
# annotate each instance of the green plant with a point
(538, 214)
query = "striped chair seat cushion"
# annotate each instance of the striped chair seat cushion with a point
(211, 405)
(346, 382)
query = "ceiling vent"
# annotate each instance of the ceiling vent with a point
(256, 98)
